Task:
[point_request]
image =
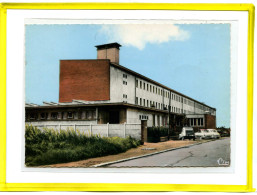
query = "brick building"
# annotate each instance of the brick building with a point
(102, 91)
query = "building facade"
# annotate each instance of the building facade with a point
(102, 91)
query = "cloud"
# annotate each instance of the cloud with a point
(138, 35)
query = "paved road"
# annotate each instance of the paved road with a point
(202, 155)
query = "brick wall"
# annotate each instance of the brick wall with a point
(84, 80)
(210, 121)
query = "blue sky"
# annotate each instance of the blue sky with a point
(193, 59)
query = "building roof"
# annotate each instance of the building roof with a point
(152, 81)
(81, 105)
(109, 45)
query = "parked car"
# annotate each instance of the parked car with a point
(187, 133)
(214, 133)
(203, 134)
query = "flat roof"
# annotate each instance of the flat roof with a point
(97, 105)
(109, 45)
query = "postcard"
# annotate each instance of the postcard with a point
(127, 93)
(99, 98)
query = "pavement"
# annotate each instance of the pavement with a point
(141, 151)
(209, 154)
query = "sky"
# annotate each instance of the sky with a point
(193, 59)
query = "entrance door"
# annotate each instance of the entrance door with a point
(143, 131)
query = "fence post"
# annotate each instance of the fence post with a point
(90, 129)
(107, 129)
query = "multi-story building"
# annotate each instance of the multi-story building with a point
(102, 91)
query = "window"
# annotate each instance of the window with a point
(125, 76)
(158, 91)
(150, 88)
(125, 96)
(79, 114)
(140, 84)
(147, 87)
(144, 86)
(143, 117)
(125, 83)
(94, 114)
(59, 116)
(43, 115)
(144, 102)
(88, 114)
(70, 115)
(153, 89)
(54, 115)
(32, 116)
(147, 103)
(140, 101)
(136, 100)
(136, 83)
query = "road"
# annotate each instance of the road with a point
(210, 154)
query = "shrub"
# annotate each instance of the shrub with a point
(49, 146)
(154, 133)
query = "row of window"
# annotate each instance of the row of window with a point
(90, 114)
(151, 88)
(154, 89)
(157, 90)
(153, 104)
(196, 121)
(143, 117)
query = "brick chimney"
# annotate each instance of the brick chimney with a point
(109, 51)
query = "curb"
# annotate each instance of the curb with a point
(145, 155)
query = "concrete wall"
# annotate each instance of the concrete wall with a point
(118, 89)
(133, 116)
(103, 130)
(178, 103)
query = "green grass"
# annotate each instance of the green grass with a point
(48, 146)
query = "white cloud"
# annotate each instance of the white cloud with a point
(138, 35)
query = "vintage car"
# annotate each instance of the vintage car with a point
(187, 133)
(207, 134)
(214, 133)
(203, 134)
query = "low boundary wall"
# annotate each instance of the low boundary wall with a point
(103, 130)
